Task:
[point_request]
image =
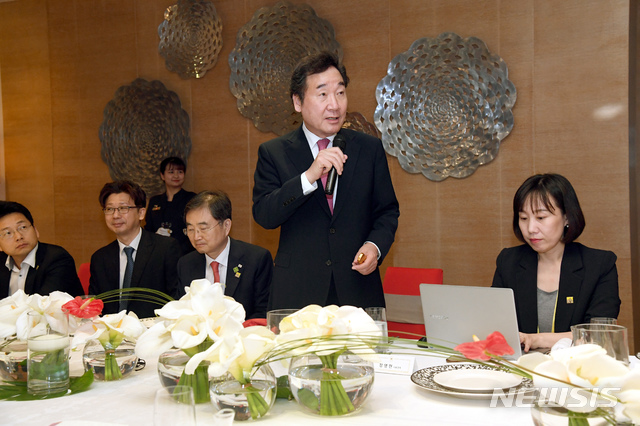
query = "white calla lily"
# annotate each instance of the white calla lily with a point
(10, 309)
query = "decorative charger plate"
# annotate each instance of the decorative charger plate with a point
(424, 379)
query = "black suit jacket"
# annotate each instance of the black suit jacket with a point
(251, 288)
(154, 267)
(588, 285)
(315, 245)
(55, 270)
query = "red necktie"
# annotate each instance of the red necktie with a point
(216, 272)
(322, 144)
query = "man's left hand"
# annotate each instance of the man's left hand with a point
(370, 263)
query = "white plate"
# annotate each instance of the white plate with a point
(474, 380)
(424, 379)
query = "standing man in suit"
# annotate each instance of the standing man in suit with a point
(323, 240)
(32, 266)
(137, 258)
(244, 269)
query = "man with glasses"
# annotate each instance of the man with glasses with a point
(244, 269)
(32, 266)
(137, 258)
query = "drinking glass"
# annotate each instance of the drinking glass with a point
(174, 405)
(274, 317)
(47, 355)
(612, 337)
(379, 316)
(224, 417)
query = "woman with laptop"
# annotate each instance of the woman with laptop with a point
(556, 281)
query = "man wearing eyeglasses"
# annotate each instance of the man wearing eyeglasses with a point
(244, 269)
(137, 258)
(32, 266)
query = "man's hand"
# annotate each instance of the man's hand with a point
(326, 159)
(371, 261)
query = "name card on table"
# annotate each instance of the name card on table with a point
(395, 364)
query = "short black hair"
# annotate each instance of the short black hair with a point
(314, 64)
(9, 207)
(133, 189)
(545, 188)
(217, 201)
(175, 161)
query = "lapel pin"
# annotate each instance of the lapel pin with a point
(569, 299)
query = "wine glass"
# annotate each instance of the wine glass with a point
(174, 405)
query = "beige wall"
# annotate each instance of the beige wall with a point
(61, 62)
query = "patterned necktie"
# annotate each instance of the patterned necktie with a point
(216, 271)
(128, 273)
(322, 144)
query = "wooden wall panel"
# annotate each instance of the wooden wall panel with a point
(568, 61)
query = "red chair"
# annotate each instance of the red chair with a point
(404, 313)
(84, 273)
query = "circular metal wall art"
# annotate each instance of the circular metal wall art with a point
(357, 121)
(143, 124)
(190, 37)
(266, 53)
(444, 106)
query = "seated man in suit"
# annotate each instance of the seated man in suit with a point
(244, 269)
(32, 266)
(137, 258)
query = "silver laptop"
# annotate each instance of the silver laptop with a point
(454, 313)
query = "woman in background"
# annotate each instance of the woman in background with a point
(556, 282)
(165, 215)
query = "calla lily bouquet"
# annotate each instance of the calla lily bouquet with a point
(14, 310)
(202, 323)
(327, 332)
(586, 368)
(110, 330)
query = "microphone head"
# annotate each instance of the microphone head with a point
(339, 142)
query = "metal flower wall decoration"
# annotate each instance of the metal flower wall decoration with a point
(266, 52)
(444, 106)
(143, 124)
(357, 121)
(190, 38)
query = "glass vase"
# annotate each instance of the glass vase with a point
(13, 360)
(251, 398)
(109, 364)
(331, 385)
(171, 366)
(549, 414)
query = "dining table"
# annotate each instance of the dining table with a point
(394, 400)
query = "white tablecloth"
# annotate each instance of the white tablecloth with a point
(394, 400)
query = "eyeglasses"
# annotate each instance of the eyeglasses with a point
(121, 209)
(8, 234)
(192, 231)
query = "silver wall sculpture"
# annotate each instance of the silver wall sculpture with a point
(357, 121)
(190, 38)
(267, 50)
(444, 106)
(143, 124)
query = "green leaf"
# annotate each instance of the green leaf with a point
(17, 391)
(308, 398)
(283, 388)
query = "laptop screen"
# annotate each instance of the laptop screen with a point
(453, 314)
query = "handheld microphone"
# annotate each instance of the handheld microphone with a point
(338, 142)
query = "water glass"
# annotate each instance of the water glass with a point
(174, 405)
(612, 337)
(47, 355)
(274, 317)
(224, 417)
(379, 316)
